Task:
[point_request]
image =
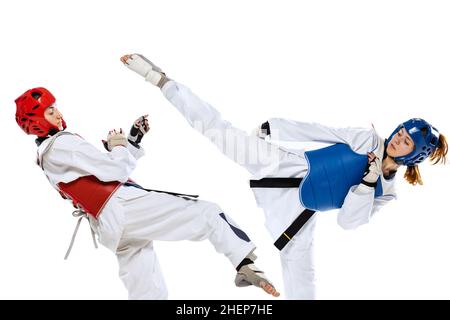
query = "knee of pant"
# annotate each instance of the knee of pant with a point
(129, 248)
(210, 210)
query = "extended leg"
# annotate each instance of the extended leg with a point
(159, 216)
(250, 151)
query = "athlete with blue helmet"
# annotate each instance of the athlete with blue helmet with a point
(355, 174)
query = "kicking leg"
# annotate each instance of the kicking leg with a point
(248, 274)
(159, 216)
(250, 151)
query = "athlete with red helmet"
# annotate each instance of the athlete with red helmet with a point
(32, 108)
(126, 217)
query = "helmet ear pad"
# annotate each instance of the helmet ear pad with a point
(425, 137)
(30, 112)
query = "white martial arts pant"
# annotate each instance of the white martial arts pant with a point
(261, 159)
(140, 217)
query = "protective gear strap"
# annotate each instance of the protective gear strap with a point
(79, 214)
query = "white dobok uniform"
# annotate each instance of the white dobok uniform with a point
(132, 218)
(281, 205)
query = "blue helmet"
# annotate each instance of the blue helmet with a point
(425, 137)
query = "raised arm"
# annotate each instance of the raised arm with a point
(139, 128)
(290, 130)
(72, 157)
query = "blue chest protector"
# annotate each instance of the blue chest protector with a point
(332, 172)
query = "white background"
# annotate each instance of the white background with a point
(340, 63)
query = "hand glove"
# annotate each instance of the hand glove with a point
(139, 128)
(373, 171)
(262, 131)
(115, 139)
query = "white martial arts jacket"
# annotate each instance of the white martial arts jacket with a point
(71, 157)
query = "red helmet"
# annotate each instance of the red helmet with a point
(30, 112)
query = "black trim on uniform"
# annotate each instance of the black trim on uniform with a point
(369, 184)
(391, 175)
(39, 140)
(292, 230)
(238, 232)
(53, 131)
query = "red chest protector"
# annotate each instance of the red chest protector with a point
(88, 193)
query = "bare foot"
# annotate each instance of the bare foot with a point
(267, 287)
(125, 58)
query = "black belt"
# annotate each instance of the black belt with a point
(292, 230)
(276, 183)
(300, 221)
(182, 195)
